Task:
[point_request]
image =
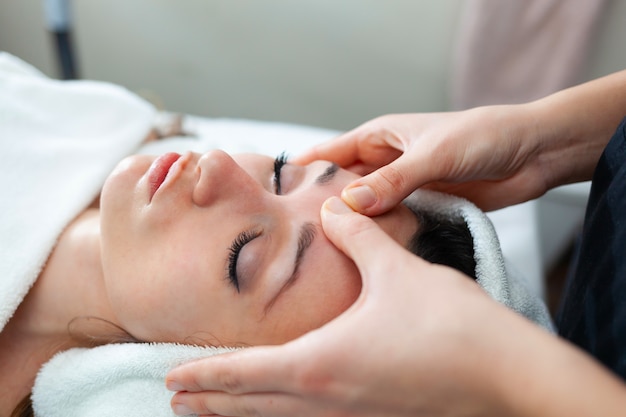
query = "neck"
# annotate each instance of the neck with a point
(69, 288)
(71, 284)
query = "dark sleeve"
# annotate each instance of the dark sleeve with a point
(593, 310)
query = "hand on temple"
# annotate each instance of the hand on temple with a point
(415, 342)
(494, 156)
(478, 154)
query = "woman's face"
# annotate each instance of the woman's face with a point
(222, 250)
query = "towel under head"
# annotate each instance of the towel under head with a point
(499, 279)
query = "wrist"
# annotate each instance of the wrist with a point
(575, 125)
(567, 146)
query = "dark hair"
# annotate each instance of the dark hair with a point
(445, 241)
(24, 408)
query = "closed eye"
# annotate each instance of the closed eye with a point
(236, 246)
(279, 163)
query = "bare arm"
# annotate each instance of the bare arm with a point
(544, 376)
(574, 126)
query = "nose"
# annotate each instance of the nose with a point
(220, 177)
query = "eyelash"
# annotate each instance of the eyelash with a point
(233, 254)
(247, 236)
(279, 163)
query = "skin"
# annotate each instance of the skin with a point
(203, 205)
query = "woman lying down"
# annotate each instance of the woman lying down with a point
(200, 249)
(204, 249)
(207, 250)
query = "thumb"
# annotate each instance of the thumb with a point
(361, 239)
(385, 188)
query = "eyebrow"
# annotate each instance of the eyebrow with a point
(308, 231)
(305, 239)
(327, 175)
(307, 235)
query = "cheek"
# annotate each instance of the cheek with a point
(140, 290)
(334, 279)
(119, 192)
(118, 215)
(151, 289)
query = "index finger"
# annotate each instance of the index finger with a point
(258, 369)
(342, 150)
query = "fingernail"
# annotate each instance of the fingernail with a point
(174, 386)
(359, 198)
(181, 409)
(335, 205)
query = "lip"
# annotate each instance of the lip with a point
(157, 173)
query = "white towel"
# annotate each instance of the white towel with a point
(111, 380)
(72, 134)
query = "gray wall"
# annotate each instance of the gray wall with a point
(23, 33)
(326, 63)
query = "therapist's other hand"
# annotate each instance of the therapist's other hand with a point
(419, 340)
(495, 156)
(489, 155)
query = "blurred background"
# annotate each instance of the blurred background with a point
(327, 63)
(333, 64)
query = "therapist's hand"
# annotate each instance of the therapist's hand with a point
(488, 155)
(495, 156)
(420, 340)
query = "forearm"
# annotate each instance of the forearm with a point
(544, 376)
(574, 125)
